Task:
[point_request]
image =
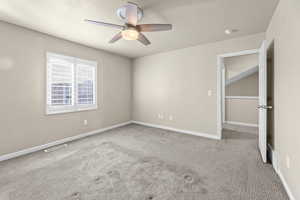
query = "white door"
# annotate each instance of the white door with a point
(263, 102)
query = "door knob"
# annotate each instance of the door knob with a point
(264, 107)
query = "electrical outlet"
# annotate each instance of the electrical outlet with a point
(171, 117)
(288, 162)
(85, 122)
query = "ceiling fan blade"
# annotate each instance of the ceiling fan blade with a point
(116, 37)
(142, 38)
(131, 13)
(105, 24)
(154, 27)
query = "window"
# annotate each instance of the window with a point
(71, 84)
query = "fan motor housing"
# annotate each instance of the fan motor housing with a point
(121, 12)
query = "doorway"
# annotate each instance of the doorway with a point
(262, 99)
(241, 93)
(221, 87)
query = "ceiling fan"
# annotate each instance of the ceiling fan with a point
(130, 13)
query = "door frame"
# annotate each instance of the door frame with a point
(221, 85)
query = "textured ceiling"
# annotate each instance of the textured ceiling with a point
(194, 21)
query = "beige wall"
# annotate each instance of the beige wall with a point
(23, 87)
(177, 82)
(244, 87)
(284, 29)
(237, 64)
(241, 110)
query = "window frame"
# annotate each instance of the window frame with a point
(75, 107)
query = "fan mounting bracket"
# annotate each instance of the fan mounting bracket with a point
(121, 12)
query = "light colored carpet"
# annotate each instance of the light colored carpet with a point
(141, 163)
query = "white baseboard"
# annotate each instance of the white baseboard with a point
(277, 170)
(206, 135)
(58, 142)
(83, 135)
(286, 186)
(274, 158)
(241, 124)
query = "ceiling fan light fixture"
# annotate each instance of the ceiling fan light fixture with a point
(131, 14)
(130, 34)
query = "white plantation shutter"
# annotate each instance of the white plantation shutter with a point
(71, 84)
(86, 83)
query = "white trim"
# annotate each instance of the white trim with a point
(242, 75)
(206, 135)
(95, 132)
(75, 107)
(240, 53)
(285, 185)
(277, 170)
(274, 158)
(220, 106)
(223, 91)
(65, 111)
(241, 124)
(242, 97)
(58, 142)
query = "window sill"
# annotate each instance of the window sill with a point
(57, 112)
